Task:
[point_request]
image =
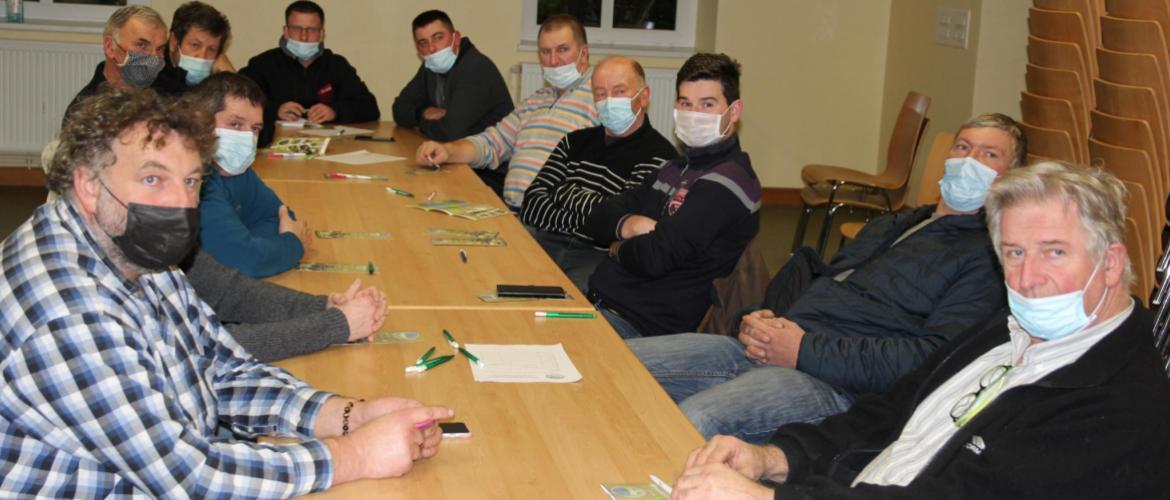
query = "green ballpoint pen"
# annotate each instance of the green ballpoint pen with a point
(425, 356)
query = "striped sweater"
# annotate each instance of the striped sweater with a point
(586, 168)
(526, 137)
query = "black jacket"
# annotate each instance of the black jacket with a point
(901, 302)
(474, 95)
(167, 83)
(1096, 428)
(329, 79)
(707, 204)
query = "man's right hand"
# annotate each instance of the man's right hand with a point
(296, 227)
(752, 461)
(387, 446)
(755, 334)
(290, 110)
(364, 313)
(431, 153)
(432, 113)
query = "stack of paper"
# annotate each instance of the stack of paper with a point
(523, 364)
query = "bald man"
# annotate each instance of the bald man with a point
(592, 164)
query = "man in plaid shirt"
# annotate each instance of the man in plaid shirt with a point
(115, 375)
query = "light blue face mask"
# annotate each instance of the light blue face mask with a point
(964, 185)
(1050, 318)
(234, 150)
(441, 61)
(617, 113)
(197, 69)
(565, 75)
(302, 50)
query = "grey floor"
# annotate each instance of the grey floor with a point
(776, 228)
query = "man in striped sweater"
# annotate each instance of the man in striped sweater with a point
(520, 143)
(592, 164)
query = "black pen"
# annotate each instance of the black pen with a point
(463, 255)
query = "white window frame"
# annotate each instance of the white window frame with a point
(682, 37)
(49, 10)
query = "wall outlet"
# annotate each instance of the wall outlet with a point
(951, 27)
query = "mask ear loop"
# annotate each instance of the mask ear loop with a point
(723, 131)
(1101, 301)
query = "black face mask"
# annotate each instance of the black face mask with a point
(156, 237)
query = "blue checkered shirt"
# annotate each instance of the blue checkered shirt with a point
(115, 388)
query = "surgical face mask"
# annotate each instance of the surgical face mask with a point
(197, 69)
(156, 237)
(564, 76)
(302, 50)
(617, 113)
(440, 61)
(1050, 318)
(697, 129)
(234, 150)
(140, 69)
(964, 185)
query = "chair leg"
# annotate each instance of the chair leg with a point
(828, 224)
(801, 226)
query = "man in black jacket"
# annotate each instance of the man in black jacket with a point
(827, 334)
(688, 223)
(1064, 398)
(303, 79)
(457, 91)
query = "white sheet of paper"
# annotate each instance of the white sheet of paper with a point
(360, 157)
(298, 123)
(523, 364)
(335, 131)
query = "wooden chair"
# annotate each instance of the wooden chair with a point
(1049, 143)
(1136, 248)
(1054, 113)
(1059, 55)
(744, 287)
(1087, 9)
(1063, 26)
(1134, 134)
(928, 189)
(1135, 102)
(1136, 35)
(1134, 68)
(1060, 84)
(1131, 165)
(835, 187)
(1148, 10)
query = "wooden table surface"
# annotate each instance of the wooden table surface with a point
(528, 440)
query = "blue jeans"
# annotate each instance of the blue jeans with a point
(622, 326)
(575, 256)
(722, 392)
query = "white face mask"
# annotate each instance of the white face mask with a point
(562, 77)
(697, 129)
(197, 69)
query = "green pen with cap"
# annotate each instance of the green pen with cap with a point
(427, 365)
(552, 314)
(426, 355)
(455, 345)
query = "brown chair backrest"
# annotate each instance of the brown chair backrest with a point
(1136, 35)
(1139, 261)
(1135, 102)
(1149, 10)
(1135, 134)
(906, 137)
(1060, 84)
(1134, 166)
(933, 169)
(1054, 113)
(1063, 26)
(1059, 55)
(1134, 68)
(1088, 10)
(1049, 143)
(744, 287)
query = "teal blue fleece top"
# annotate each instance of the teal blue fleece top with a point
(240, 225)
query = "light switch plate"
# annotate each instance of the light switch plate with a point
(951, 27)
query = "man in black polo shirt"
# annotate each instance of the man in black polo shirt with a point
(457, 91)
(591, 165)
(303, 79)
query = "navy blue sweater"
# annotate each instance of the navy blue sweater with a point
(240, 225)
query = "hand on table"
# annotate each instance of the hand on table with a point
(364, 309)
(431, 153)
(290, 110)
(388, 445)
(432, 113)
(298, 228)
(321, 113)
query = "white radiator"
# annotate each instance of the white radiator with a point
(36, 84)
(660, 80)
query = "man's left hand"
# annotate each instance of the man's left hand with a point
(783, 345)
(321, 113)
(716, 481)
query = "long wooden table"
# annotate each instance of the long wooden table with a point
(528, 440)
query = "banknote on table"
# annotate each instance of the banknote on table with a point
(644, 491)
(353, 235)
(492, 298)
(320, 267)
(401, 337)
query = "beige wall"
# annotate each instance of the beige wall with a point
(822, 79)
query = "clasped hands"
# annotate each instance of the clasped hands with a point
(770, 339)
(364, 309)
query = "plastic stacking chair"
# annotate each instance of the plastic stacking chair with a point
(1049, 143)
(928, 190)
(834, 187)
